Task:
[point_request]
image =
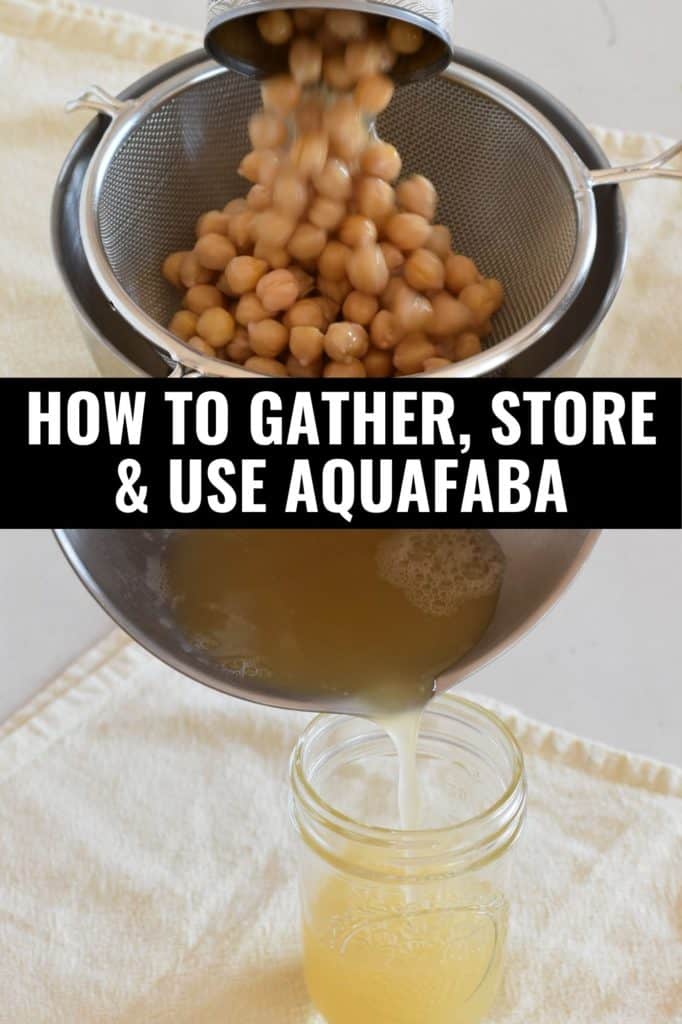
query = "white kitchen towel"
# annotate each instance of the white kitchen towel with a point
(51, 50)
(147, 866)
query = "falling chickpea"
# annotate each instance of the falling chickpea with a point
(331, 265)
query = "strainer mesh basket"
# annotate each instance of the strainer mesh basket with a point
(503, 192)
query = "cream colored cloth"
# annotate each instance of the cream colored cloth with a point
(51, 50)
(147, 866)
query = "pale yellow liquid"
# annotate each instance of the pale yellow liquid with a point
(372, 956)
(370, 618)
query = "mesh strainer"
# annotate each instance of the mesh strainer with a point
(515, 194)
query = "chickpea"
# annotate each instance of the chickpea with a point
(335, 73)
(277, 290)
(404, 37)
(184, 325)
(307, 18)
(305, 313)
(459, 347)
(268, 338)
(351, 368)
(347, 25)
(267, 130)
(268, 367)
(305, 61)
(191, 271)
(276, 27)
(214, 251)
(393, 256)
(495, 291)
(386, 330)
(334, 180)
(450, 316)
(347, 131)
(364, 57)
(338, 291)
(460, 272)
(330, 308)
(202, 297)
(357, 231)
(439, 241)
(297, 369)
(477, 298)
(238, 350)
(395, 285)
(307, 242)
(326, 213)
(243, 274)
(273, 228)
(259, 198)
(306, 344)
(424, 271)
(381, 160)
(333, 260)
(436, 363)
(412, 309)
(345, 341)
(280, 94)
(330, 43)
(407, 230)
(304, 280)
(309, 153)
(309, 115)
(373, 93)
(290, 193)
(241, 227)
(484, 329)
(276, 259)
(250, 310)
(378, 363)
(256, 166)
(199, 345)
(213, 222)
(416, 194)
(374, 199)
(367, 270)
(171, 268)
(216, 326)
(360, 308)
(234, 207)
(387, 55)
(411, 353)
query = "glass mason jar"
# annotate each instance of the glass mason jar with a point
(406, 927)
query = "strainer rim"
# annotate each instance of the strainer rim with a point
(183, 358)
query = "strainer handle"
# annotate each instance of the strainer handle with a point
(655, 168)
(99, 100)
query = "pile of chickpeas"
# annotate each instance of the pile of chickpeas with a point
(330, 266)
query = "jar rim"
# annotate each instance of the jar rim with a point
(481, 836)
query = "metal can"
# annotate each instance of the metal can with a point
(233, 39)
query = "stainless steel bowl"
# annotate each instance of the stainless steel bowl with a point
(103, 326)
(122, 570)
